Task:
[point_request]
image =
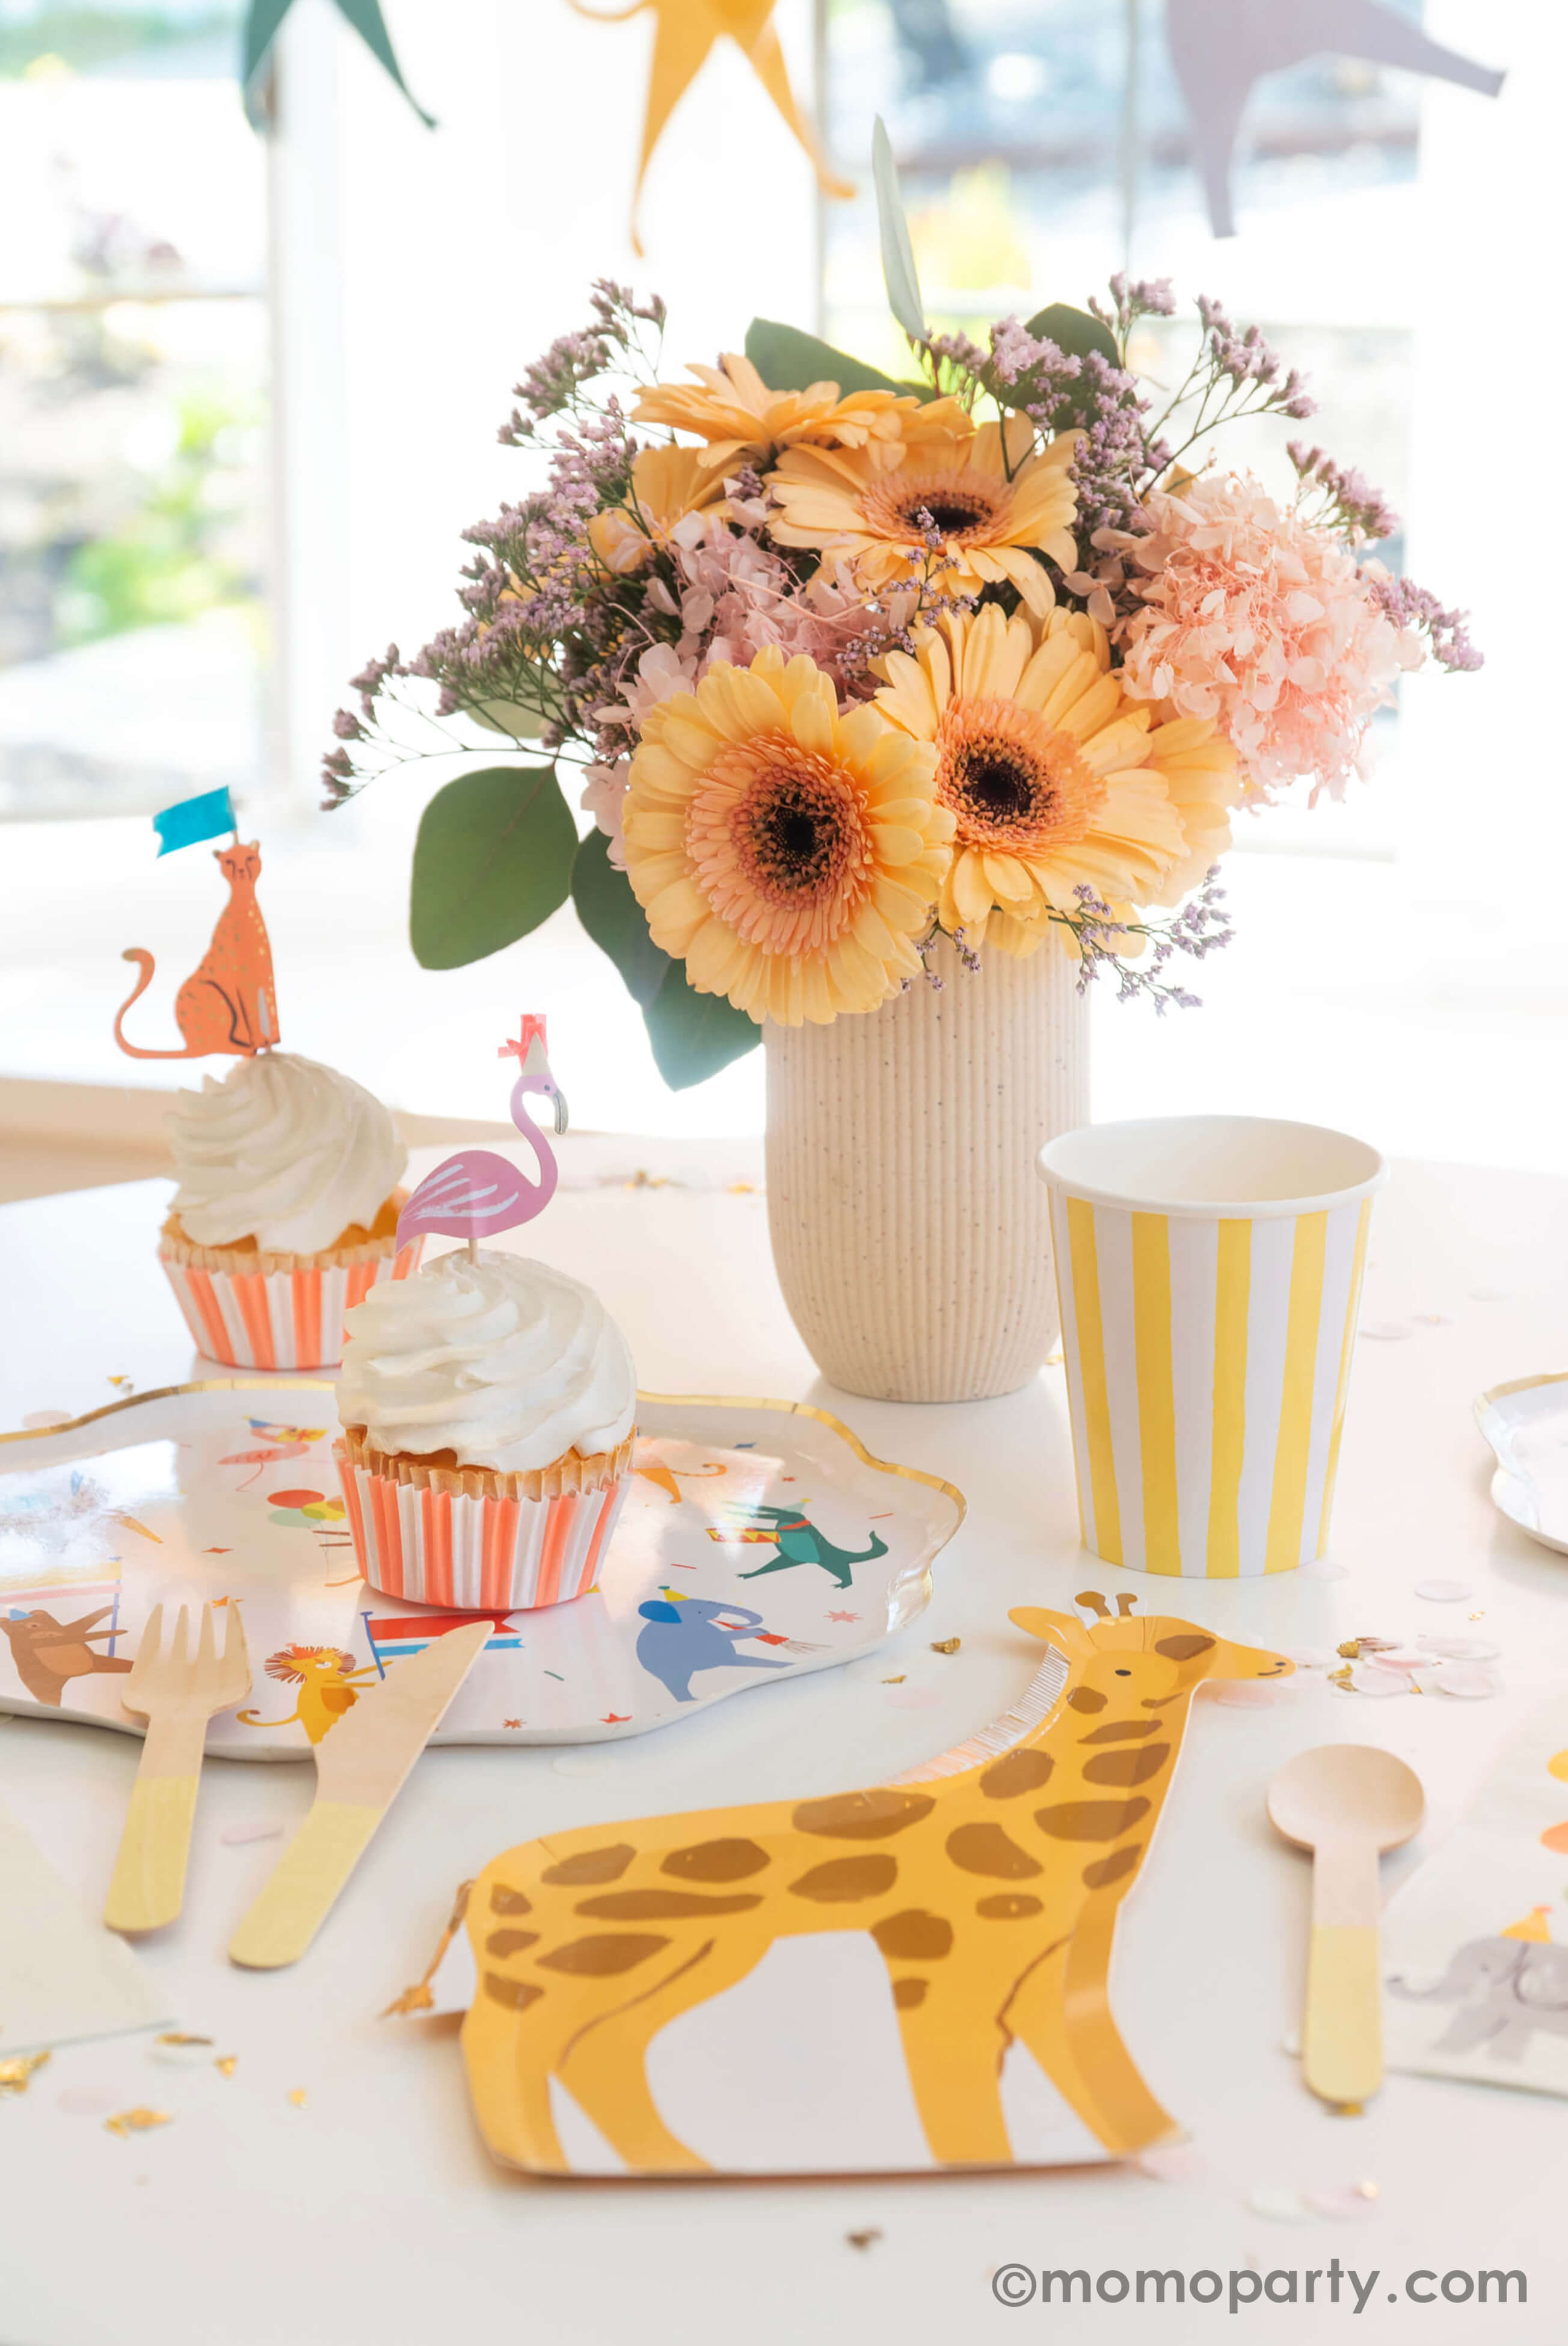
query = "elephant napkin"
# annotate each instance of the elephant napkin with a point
(1475, 1945)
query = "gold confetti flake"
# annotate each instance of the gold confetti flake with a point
(176, 2036)
(224, 2065)
(136, 2121)
(946, 1645)
(1352, 1649)
(16, 2072)
(898, 1681)
(299, 2098)
(417, 1998)
(1345, 2110)
(866, 2238)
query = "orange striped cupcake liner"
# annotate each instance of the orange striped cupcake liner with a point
(289, 1319)
(474, 1550)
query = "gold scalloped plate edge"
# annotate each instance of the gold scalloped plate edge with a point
(919, 1580)
(1513, 1494)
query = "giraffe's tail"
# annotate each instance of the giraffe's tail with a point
(134, 1050)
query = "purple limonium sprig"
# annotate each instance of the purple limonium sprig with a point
(1341, 496)
(1201, 927)
(1447, 632)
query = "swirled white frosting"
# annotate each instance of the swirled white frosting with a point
(504, 1362)
(282, 1151)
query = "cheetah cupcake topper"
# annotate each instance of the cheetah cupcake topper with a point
(952, 2010)
(228, 1005)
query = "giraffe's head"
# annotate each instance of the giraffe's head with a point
(1118, 1663)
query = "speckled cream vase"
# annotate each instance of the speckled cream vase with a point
(910, 1228)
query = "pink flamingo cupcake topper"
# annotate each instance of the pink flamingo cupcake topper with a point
(477, 1193)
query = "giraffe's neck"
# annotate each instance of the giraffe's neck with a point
(1030, 1717)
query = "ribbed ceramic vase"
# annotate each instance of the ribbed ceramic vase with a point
(911, 1230)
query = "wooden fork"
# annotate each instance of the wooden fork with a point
(176, 1697)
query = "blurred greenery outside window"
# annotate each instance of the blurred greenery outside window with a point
(1043, 144)
(133, 351)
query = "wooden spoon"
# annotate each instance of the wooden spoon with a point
(1347, 1802)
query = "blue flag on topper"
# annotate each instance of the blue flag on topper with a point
(193, 819)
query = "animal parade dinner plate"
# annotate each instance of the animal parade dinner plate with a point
(757, 1540)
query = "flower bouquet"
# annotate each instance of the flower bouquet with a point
(902, 710)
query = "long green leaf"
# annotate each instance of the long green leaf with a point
(616, 921)
(493, 858)
(694, 1035)
(897, 253)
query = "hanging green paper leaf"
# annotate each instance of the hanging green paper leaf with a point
(493, 858)
(262, 22)
(898, 252)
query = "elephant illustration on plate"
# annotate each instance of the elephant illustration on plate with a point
(684, 1634)
(1505, 1989)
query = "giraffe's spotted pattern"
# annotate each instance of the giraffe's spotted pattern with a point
(715, 1861)
(1091, 1820)
(971, 1882)
(915, 1936)
(986, 1849)
(843, 1879)
(1126, 1766)
(1024, 1770)
(863, 1816)
(663, 1906)
(590, 1865)
(602, 1953)
(1115, 1867)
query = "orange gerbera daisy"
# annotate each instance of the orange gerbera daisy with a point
(787, 854)
(1053, 778)
(993, 501)
(668, 483)
(732, 409)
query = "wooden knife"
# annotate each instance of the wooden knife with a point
(361, 1763)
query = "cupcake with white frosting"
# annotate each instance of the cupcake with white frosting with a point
(286, 1211)
(488, 1408)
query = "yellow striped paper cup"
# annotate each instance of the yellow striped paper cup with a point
(1209, 1274)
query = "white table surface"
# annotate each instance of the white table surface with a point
(373, 2214)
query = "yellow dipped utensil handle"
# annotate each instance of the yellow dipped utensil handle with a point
(148, 1885)
(1342, 2037)
(299, 1894)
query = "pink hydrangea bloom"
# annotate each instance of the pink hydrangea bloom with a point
(1264, 621)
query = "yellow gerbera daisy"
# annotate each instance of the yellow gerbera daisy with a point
(991, 499)
(732, 409)
(668, 483)
(1054, 779)
(786, 853)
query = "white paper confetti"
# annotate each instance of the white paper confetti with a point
(1240, 1694)
(1322, 1568)
(1280, 2202)
(1460, 1649)
(1371, 1677)
(1171, 2162)
(1444, 1592)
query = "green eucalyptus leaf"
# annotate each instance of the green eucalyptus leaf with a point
(493, 858)
(787, 360)
(694, 1035)
(1074, 332)
(616, 921)
(897, 253)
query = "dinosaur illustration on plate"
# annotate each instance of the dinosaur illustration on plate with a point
(797, 1540)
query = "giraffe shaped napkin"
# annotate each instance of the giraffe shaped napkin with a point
(1475, 1944)
(910, 1975)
